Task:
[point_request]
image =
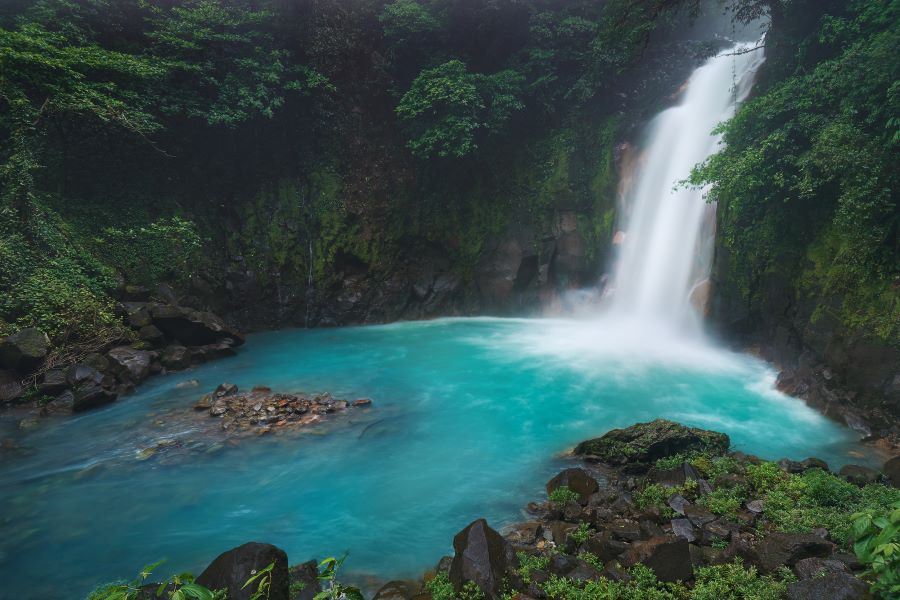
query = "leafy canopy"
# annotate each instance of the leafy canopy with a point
(448, 109)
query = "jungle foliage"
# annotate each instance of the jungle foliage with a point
(807, 181)
(131, 129)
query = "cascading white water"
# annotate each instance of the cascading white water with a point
(664, 254)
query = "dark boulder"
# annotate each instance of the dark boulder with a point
(669, 558)
(667, 477)
(480, 557)
(225, 389)
(176, 357)
(891, 471)
(231, 570)
(558, 531)
(525, 534)
(151, 334)
(53, 382)
(791, 466)
(859, 475)
(605, 546)
(626, 530)
(576, 480)
(306, 574)
(395, 590)
(96, 361)
(834, 586)
(779, 549)
(639, 446)
(683, 528)
(24, 350)
(810, 568)
(11, 389)
(135, 293)
(815, 463)
(88, 387)
(678, 503)
(130, 365)
(698, 515)
(192, 327)
(138, 314)
(562, 564)
(583, 572)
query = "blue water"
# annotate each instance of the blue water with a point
(470, 417)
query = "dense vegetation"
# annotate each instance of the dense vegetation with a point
(312, 157)
(807, 183)
(294, 140)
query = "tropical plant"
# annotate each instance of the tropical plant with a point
(563, 494)
(877, 545)
(328, 571)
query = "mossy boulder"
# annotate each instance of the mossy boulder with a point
(24, 350)
(638, 447)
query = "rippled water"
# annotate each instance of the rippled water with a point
(469, 419)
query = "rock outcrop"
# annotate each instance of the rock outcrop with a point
(640, 445)
(231, 570)
(24, 350)
(480, 557)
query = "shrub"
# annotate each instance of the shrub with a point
(876, 537)
(581, 533)
(724, 501)
(824, 489)
(529, 563)
(563, 494)
(652, 495)
(671, 462)
(765, 476)
(733, 582)
(440, 587)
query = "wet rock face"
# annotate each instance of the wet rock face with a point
(480, 557)
(641, 445)
(130, 364)
(231, 570)
(89, 387)
(24, 351)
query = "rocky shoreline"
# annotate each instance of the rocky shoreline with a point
(156, 338)
(656, 510)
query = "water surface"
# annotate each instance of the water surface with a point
(469, 419)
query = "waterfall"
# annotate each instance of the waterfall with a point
(665, 249)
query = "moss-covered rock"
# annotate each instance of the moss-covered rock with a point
(23, 350)
(641, 445)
